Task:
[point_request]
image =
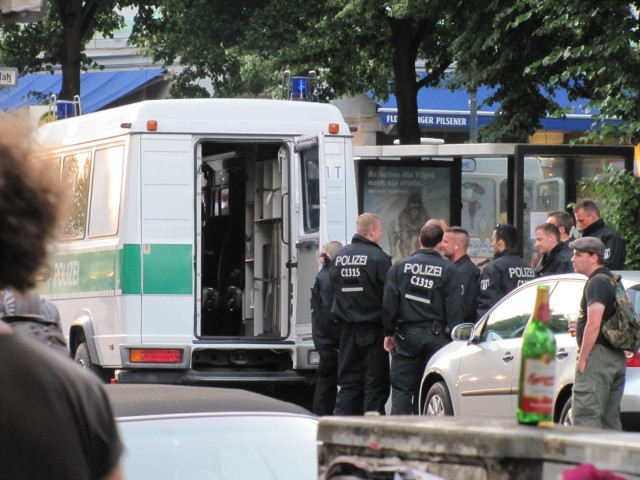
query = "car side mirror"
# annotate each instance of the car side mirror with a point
(463, 332)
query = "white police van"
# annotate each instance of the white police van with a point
(191, 244)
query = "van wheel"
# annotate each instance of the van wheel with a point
(566, 415)
(438, 403)
(83, 357)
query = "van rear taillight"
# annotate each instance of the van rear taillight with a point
(155, 355)
(633, 359)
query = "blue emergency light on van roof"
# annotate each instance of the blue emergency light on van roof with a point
(299, 88)
(61, 109)
(65, 109)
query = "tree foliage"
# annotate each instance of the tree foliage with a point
(596, 58)
(60, 38)
(524, 49)
(527, 49)
(355, 45)
(207, 36)
(496, 50)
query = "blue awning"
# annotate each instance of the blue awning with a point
(443, 109)
(97, 89)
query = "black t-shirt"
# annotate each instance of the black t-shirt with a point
(597, 289)
(57, 422)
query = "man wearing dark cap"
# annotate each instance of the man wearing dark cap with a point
(601, 369)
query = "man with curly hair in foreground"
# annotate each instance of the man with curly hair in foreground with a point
(57, 421)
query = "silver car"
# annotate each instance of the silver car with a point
(178, 432)
(476, 375)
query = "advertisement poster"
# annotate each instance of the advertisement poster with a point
(405, 197)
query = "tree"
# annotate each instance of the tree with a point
(36, 47)
(597, 58)
(530, 48)
(380, 42)
(206, 37)
(357, 45)
(495, 50)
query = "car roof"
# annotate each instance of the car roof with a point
(629, 277)
(132, 400)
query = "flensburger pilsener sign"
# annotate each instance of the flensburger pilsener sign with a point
(430, 119)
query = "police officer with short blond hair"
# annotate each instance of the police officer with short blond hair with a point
(422, 302)
(357, 275)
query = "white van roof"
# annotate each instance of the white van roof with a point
(198, 116)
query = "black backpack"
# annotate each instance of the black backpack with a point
(26, 314)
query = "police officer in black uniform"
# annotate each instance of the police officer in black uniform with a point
(325, 331)
(357, 280)
(590, 224)
(505, 271)
(555, 256)
(422, 302)
(455, 244)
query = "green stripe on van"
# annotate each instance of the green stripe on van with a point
(129, 263)
(131, 270)
(168, 269)
(80, 272)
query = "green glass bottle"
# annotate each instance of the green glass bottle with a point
(537, 366)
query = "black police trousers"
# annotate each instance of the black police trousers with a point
(415, 346)
(326, 384)
(363, 370)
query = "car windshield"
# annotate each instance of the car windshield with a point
(220, 447)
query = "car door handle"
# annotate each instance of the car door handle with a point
(562, 353)
(507, 357)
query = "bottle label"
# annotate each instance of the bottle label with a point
(538, 386)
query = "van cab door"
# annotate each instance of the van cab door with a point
(308, 224)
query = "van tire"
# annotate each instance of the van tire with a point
(83, 357)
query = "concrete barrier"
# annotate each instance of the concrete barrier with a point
(446, 447)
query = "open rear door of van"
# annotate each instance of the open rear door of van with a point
(308, 229)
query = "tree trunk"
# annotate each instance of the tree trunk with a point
(404, 69)
(71, 18)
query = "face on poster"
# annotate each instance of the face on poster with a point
(405, 197)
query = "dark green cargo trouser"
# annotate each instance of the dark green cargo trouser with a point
(597, 392)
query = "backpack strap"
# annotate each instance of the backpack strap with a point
(615, 281)
(611, 278)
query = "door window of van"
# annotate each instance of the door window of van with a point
(310, 167)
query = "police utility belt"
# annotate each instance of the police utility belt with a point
(431, 328)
